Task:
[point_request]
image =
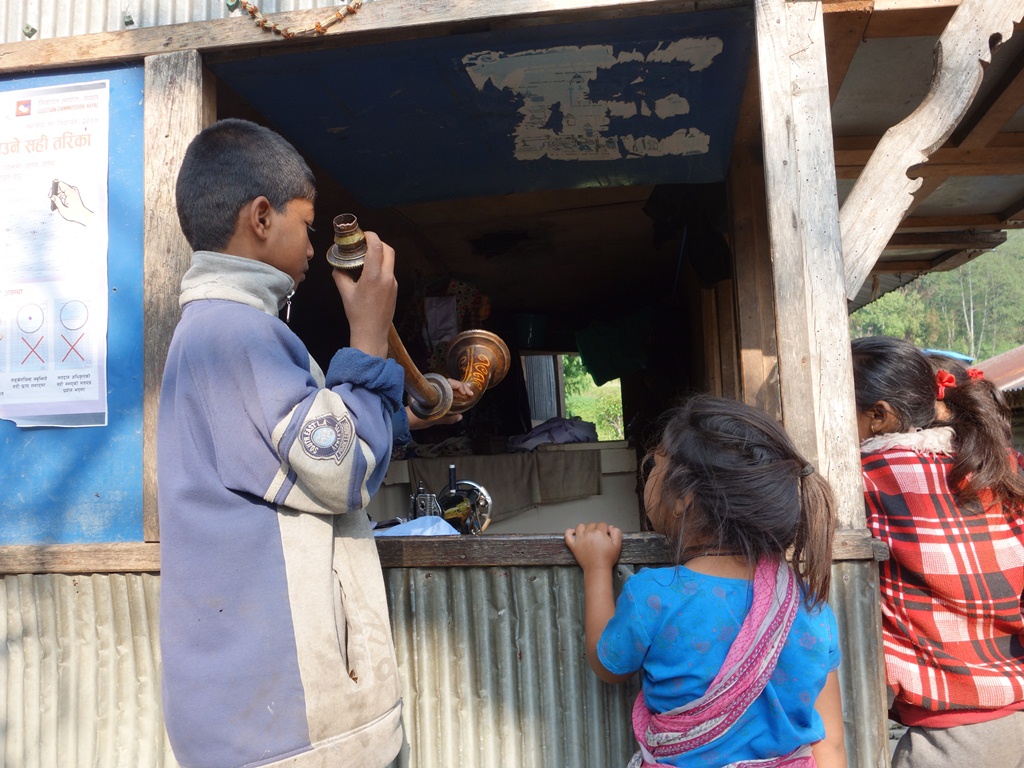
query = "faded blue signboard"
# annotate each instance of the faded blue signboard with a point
(635, 101)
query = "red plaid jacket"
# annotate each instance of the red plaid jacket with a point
(952, 625)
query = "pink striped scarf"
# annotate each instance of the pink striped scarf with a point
(744, 674)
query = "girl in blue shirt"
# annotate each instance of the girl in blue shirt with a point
(737, 650)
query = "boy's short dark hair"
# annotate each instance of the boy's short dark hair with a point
(229, 164)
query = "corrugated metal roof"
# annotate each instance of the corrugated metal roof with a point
(1015, 398)
(880, 284)
(1006, 370)
(64, 18)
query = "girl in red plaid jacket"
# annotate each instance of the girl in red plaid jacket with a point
(945, 493)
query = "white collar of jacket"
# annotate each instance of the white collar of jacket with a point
(235, 278)
(937, 440)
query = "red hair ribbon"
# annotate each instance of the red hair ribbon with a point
(944, 379)
(976, 374)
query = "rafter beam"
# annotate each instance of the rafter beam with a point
(955, 239)
(833, 7)
(906, 5)
(946, 223)
(843, 34)
(1014, 213)
(943, 262)
(884, 191)
(982, 161)
(924, 19)
(902, 267)
(996, 110)
(954, 259)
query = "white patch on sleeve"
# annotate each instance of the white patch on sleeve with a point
(328, 437)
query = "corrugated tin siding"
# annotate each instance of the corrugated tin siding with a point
(64, 18)
(80, 672)
(492, 660)
(495, 673)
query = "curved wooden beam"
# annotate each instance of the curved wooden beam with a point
(883, 193)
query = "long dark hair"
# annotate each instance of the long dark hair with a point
(894, 370)
(981, 422)
(745, 489)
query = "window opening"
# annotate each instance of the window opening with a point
(561, 386)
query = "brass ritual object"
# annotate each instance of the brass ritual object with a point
(476, 357)
(349, 247)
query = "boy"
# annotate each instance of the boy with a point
(274, 629)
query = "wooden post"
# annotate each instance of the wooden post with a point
(815, 372)
(178, 104)
(752, 262)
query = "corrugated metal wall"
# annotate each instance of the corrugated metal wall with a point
(80, 672)
(492, 659)
(63, 18)
(498, 675)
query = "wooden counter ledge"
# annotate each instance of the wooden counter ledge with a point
(549, 549)
(395, 552)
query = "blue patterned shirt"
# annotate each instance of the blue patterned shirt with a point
(675, 626)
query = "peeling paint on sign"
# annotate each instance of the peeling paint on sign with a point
(595, 103)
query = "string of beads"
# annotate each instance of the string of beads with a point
(319, 29)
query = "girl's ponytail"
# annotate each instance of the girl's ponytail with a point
(812, 550)
(977, 414)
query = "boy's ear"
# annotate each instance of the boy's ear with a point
(255, 216)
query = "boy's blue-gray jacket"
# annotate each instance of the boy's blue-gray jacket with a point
(274, 624)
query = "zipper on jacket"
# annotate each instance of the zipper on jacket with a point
(288, 306)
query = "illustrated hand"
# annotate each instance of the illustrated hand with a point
(370, 300)
(594, 545)
(67, 201)
(415, 422)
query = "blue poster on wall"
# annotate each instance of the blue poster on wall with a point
(84, 484)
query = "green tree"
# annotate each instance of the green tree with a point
(976, 309)
(601, 406)
(897, 313)
(575, 374)
(981, 304)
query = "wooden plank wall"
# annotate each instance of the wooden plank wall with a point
(752, 264)
(179, 103)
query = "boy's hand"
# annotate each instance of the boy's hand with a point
(415, 422)
(370, 300)
(594, 545)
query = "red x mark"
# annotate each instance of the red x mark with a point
(71, 348)
(32, 349)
